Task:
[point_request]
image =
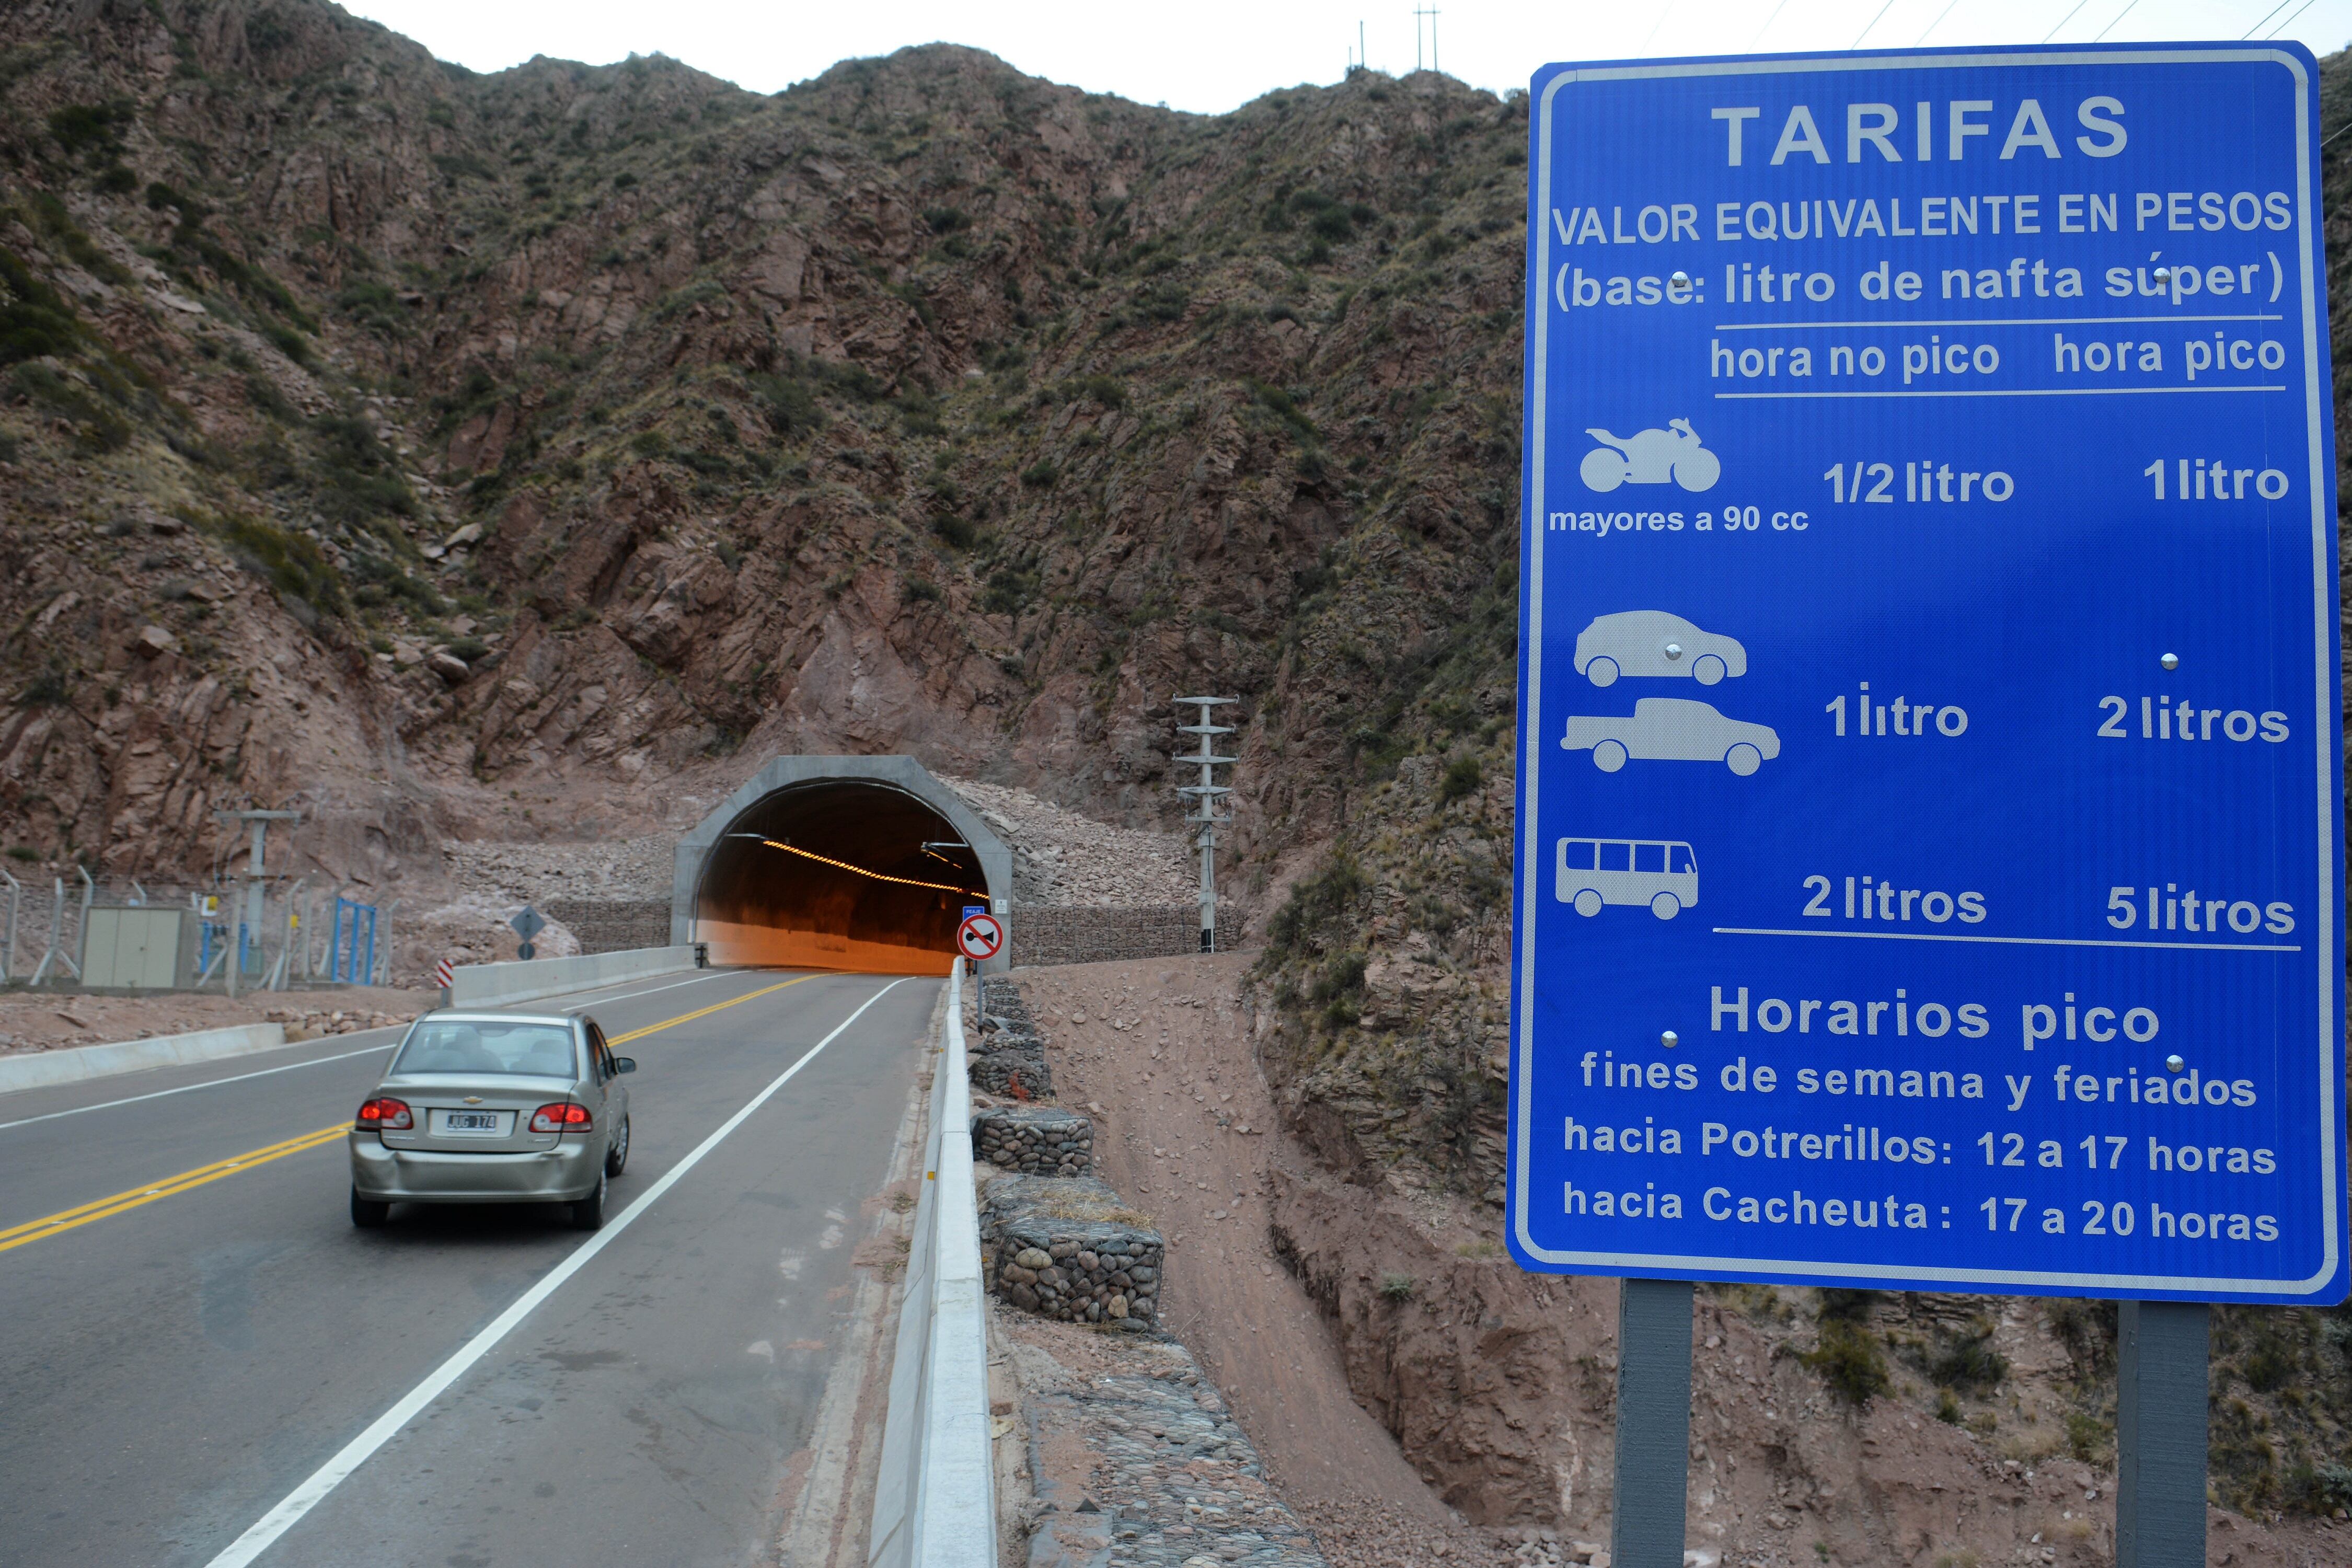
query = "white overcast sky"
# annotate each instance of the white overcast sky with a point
(1212, 55)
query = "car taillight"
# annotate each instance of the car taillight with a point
(560, 1119)
(385, 1116)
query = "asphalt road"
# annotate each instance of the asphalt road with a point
(172, 1369)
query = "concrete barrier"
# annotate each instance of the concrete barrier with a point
(77, 1063)
(503, 984)
(935, 1499)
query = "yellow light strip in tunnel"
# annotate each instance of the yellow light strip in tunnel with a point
(902, 881)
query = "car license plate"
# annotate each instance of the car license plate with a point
(480, 1123)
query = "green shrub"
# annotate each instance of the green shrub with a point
(1315, 903)
(98, 427)
(93, 127)
(292, 563)
(290, 343)
(1008, 591)
(1041, 474)
(1969, 1362)
(1463, 777)
(1397, 1288)
(1849, 1360)
(35, 323)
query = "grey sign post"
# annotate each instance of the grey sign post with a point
(1654, 1398)
(2160, 1414)
(528, 923)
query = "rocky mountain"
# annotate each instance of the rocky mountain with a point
(462, 455)
(421, 445)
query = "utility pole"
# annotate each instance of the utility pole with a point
(1205, 793)
(249, 917)
(1418, 13)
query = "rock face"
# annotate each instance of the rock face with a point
(1034, 1141)
(578, 438)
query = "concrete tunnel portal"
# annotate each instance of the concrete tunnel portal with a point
(863, 864)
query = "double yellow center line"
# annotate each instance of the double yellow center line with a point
(703, 1012)
(74, 1218)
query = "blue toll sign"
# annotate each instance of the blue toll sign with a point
(1929, 870)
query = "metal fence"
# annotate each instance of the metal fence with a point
(295, 940)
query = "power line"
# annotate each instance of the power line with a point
(2273, 11)
(1768, 24)
(2063, 20)
(1873, 22)
(2282, 28)
(2119, 16)
(1663, 11)
(1937, 22)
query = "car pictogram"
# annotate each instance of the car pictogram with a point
(1655, 643)
(1672, 728)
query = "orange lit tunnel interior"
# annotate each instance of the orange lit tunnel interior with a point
(886, 906)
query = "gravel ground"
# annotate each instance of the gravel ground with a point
(1153, 1051)
(41, 1021)
(1133, 1452)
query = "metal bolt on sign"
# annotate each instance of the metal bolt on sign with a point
(1859, 941)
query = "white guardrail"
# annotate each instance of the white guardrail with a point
(502, 984)
(934, 1501)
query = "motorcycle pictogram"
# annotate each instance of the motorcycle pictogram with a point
(1651, 458)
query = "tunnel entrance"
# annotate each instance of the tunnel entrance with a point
(863, 864)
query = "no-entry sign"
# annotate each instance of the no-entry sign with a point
(979, 936)
(1929, 870)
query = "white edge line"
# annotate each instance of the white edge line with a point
(2013, 940)
(314, 1061)
(328, 1476)
(208, 1083)
(713, 975)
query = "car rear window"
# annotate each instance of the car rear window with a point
(484, 1044)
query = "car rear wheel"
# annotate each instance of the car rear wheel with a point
(1609, 755)
(617, 1158)
(588, 1214)
(1743, 759)
(1588, 902)
(366, 1213)
(1706, 669)
(1602, 672)
(1665, 906)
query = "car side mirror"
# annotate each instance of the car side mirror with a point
(625, 1063)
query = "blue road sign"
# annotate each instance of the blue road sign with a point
(1928, 870)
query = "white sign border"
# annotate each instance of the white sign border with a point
(2324, 729)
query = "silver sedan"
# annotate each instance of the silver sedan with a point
(494, 1108)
